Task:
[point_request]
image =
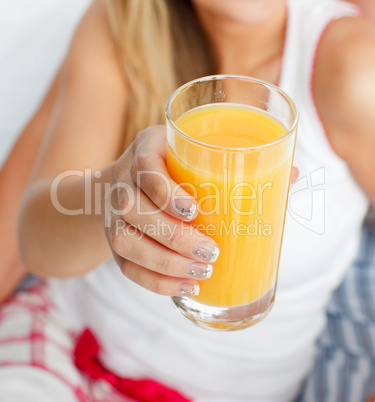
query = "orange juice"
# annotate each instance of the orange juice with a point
(241, 195)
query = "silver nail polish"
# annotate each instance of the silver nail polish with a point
(200, 270)
(206, 251)
(185, 208)
(186, 289)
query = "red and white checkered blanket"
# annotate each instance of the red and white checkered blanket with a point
(37, 350)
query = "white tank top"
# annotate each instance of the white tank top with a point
(144, 336)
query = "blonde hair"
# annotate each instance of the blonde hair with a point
(161, 45)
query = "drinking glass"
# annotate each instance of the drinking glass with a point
(230, 144)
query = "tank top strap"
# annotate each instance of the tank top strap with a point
(307, 22)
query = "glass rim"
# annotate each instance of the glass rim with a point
(282, 138)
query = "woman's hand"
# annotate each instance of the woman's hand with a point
(150, 238)
(147, 217)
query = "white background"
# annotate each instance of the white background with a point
(34, 38)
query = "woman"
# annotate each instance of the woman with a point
(117, 77)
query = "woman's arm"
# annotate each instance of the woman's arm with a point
(13, 180)
(86, 134)
(344, 90)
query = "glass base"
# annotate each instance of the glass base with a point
(225, 318)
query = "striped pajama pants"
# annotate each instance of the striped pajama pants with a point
(344, 368)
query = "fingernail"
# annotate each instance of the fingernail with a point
(184, 207)
(188, 290)
(200, 270)
(206, 251)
